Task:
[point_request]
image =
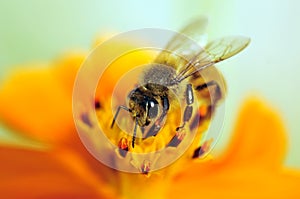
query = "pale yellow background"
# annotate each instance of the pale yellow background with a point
(38, 31)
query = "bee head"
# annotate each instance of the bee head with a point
(152, 108)
(143, 107)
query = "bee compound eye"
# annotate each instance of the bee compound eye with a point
(152, 108)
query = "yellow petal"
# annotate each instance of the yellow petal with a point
(65, 69)
(38, 101)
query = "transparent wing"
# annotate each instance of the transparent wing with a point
(184, 44)
(195, 30)
(212, 53)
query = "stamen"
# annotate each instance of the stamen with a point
(160, 147)
(200, 151)
(85, 118)
(97, 104)
(176, 140)
(195, 122)
(123, 147)
(145, 167)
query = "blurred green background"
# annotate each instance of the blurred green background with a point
(39, 31)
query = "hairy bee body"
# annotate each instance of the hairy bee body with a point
(182, 69)
(160, 75)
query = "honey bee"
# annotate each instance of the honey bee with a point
(178, 69)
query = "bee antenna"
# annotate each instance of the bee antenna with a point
(117, 113)
(134, 132)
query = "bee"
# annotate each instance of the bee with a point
(178, 69)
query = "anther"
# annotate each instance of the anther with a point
(145, 167)
(123, 146)
(97, 104)
(200, 151)
(85, 118)
(176, 140)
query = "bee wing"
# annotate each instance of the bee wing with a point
(195, 30)
(212, 53)
(185, 43)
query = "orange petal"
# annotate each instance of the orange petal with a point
(235, 183)
(259, 138)
(56, 174)
(250, 168)
(38, 101)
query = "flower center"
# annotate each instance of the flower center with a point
(154, 152)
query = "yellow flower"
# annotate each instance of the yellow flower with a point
(37, 103)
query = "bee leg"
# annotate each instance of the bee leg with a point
(134, 133)
(188, 109)
(157, 125)
(142, 129)
(117, 113)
